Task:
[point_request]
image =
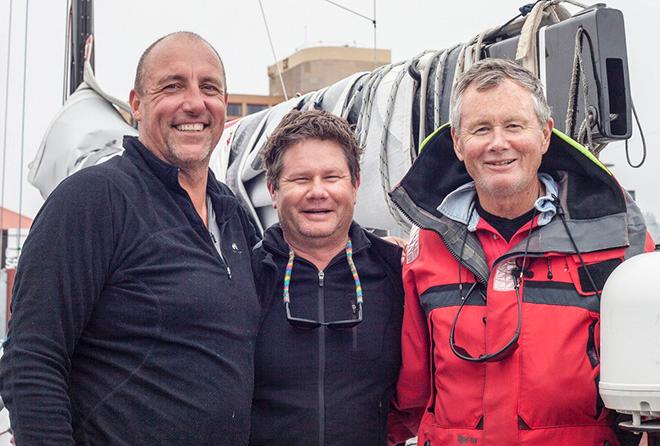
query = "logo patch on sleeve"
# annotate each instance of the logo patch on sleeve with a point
(412, 250)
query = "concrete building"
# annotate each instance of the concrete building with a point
(307, 70)
(316, 67)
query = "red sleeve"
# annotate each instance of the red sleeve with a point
(413, 386)
(649, 245)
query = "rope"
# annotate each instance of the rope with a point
(367, 102)
(569, 123)
(527, 52)
(352, 93)
(272, 49)
(90, 80)
(421, 78)
(641, 133)
(4, 136)
(384, 161)
(584, 134)
(439, 87)
(470, 53)
(20, 189)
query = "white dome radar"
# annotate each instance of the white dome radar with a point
(630, 340)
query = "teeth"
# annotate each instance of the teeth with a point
(197, 127)
(502, 163)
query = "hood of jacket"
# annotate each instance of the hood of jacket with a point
(588, 194)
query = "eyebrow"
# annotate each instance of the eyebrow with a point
(171, 77)
(180, 78)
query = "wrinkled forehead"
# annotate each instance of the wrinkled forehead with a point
(175, 52)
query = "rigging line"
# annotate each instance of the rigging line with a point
(641, 133)
(20, 187)
(4, 136)
(272, 49)
(372, 20)
(67, 50)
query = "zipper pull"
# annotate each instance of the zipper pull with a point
(321, 276)
(229, 272)
(549, 270)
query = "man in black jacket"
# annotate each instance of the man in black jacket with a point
(328, 351)
(134, 312)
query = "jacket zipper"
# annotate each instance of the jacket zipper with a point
(222, 259)
(322, 334)
(321, 389)
(467, 266)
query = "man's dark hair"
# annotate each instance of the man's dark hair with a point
(296, 127)
(138, 84)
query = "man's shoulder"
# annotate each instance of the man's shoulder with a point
(90, 182)
(223, 189)
(386, 251)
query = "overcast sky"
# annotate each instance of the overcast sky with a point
(124, 28)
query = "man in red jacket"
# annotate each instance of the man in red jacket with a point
(503, 273)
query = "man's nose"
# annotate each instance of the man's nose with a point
(193, 101)
(499, 138)
(317, 189)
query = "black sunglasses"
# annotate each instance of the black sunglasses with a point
(500, 354)
(310, 324)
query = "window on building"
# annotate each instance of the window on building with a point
(234, 109)
(253, 108)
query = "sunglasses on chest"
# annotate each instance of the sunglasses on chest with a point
(310, 324)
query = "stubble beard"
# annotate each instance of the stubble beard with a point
(178, 157)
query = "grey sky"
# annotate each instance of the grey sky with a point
(124, 28)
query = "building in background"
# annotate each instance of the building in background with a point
(14, 230)
(239, 105)
(313, 68)
(307, 70)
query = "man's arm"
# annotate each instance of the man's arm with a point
(412, 390)
(60, 274)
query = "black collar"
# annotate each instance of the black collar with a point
(274, 239)
(224, 203)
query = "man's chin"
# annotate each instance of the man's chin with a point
(189, 156)
(504, 189)
(318, 231)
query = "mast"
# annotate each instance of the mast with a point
(81, 26)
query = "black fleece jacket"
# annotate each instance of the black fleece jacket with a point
(127, 327)
(326, 386)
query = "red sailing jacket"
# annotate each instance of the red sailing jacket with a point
(545, 390)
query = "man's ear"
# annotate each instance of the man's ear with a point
(457, 147)
(134, 101)
(547, 133)
(273, 194)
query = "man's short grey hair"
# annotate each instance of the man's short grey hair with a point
(490, 73)
(143, 64)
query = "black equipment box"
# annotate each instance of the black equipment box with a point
(605, 65)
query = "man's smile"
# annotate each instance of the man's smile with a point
(191, 127)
